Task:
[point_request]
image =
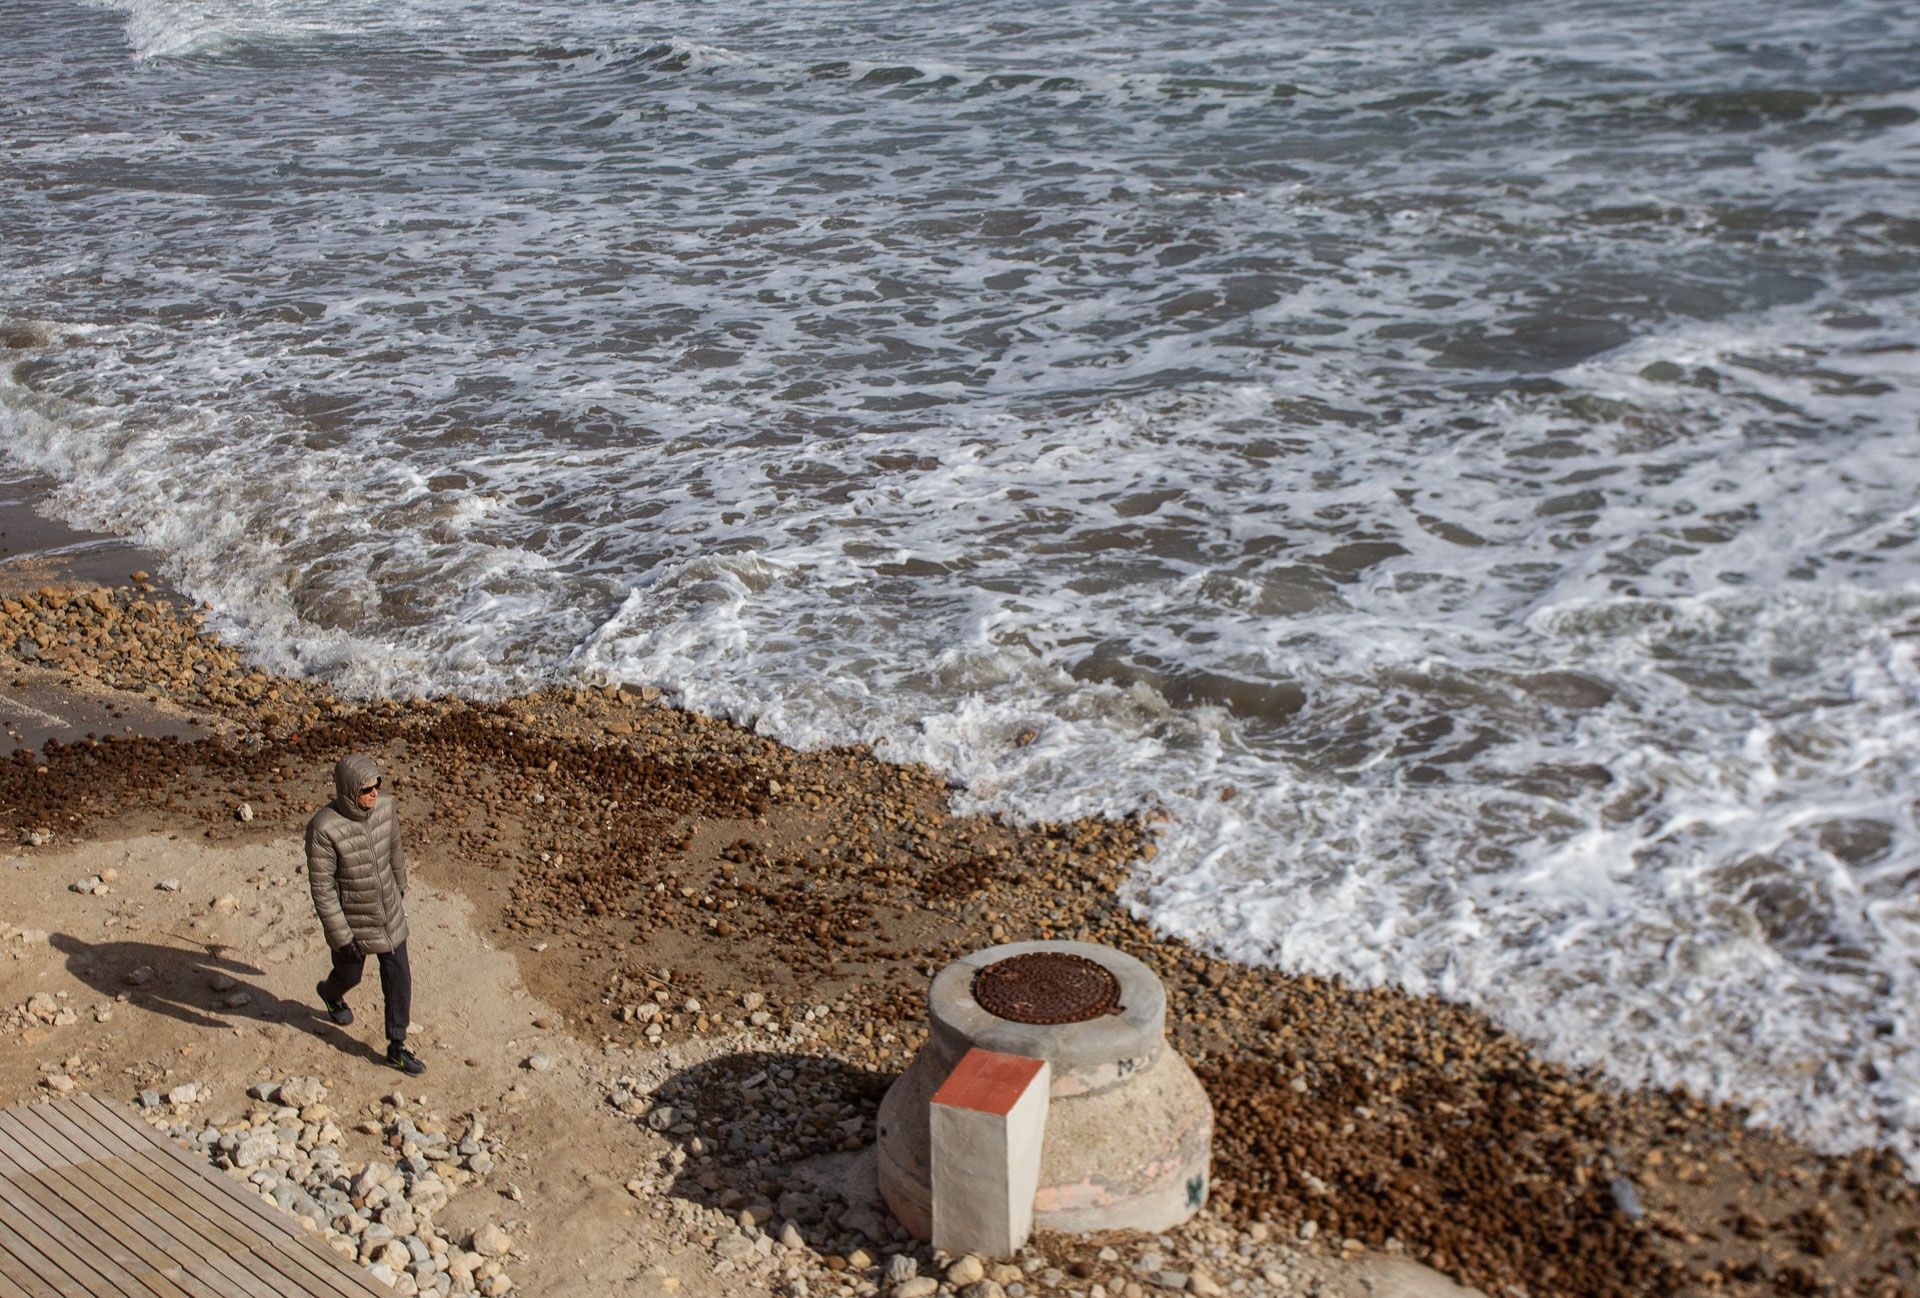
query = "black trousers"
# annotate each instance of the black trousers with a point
(396, 985)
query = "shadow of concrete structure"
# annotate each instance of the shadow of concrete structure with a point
(788, 1137)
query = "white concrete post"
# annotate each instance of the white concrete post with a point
(987, 1123)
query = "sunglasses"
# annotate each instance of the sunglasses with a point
(370, 788)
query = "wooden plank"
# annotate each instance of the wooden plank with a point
(21, 1124)
(22, 1261)
(53, 1143)
(235, 1255)
(339, 1277)
(323, 1270)
(233, 1270)
(11, 1284)
(362, 1283)
(58, 1194)
(220, 1233)
(9, 1287)
(226, 1251)
(239, 1214)
(218, 1246)
(315, 1252)
(58, 1255)
(237, 1210)
(334, 1276)
(88, 1224)
(111, 1161)
(12, 1139)
(8, 1141)
(103, 1223)
(90, 1192)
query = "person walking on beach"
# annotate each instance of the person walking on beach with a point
(358, 874)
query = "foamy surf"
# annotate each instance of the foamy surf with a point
(1486, 531)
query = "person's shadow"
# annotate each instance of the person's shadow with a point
(196, 983)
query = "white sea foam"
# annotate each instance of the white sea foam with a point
(158, 29)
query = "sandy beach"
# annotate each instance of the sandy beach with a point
(621, 908)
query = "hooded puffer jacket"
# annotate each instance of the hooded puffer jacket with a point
(355, 866)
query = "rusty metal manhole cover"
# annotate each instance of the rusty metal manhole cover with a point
(1047, 987)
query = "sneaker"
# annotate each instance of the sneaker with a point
(404, 1060)
(336, 1010)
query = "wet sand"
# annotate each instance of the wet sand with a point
(36, 550)
(618, 847)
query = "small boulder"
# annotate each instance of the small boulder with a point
(254, 1149)
(299, 1092)
(490, 1241)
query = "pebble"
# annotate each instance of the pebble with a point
(539, 1062)
(379, 1214)
(764, 1145)
(490, 1241)
(966, 1271)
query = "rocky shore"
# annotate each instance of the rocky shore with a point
(732, 940)
(286, 1145)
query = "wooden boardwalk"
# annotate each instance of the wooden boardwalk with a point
(94, 1203)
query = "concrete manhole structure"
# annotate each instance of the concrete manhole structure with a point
(1125, 1131)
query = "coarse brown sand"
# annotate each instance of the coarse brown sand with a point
(619, 881)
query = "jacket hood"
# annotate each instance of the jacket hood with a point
(351, 774)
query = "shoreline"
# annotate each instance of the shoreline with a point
(605, 839)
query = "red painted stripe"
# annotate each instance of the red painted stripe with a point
(988, 1082)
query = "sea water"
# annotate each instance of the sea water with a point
(1457, 459)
